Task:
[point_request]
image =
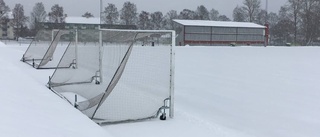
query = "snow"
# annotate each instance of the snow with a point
(208, 23)
(219, 91)
(10, 15)
(29, 109)
(82, 20)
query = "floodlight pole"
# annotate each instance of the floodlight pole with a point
(267, 26)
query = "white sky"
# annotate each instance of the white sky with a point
(79, 7)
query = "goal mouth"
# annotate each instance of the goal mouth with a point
(41, 53)
(123, 75)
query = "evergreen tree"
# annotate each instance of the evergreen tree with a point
(203, 13)
(38, 15)
(223, 18)
(87, 15)
(4, 9)
(56, 15)
(188, 14)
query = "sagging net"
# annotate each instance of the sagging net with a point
(126, 79)
(41, 52)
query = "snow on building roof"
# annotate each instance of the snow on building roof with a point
(82, 20)
(208, 23)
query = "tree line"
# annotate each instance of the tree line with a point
(297, 22)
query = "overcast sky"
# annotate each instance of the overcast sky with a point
(79, 7)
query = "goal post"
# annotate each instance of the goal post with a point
(121, 75)
(172, 73)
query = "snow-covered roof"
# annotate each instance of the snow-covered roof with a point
(82, 20)
(209, 23)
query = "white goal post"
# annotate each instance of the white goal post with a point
(128, 76)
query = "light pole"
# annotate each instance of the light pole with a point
(267, 26)
(101, 44)
(100, 14)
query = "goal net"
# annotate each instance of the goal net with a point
(127, 76)
(41, 52)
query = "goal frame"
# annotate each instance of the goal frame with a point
(53, 37)
(172, 60)
(168, 102)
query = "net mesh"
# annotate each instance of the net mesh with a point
(41, 52)
(127, 78)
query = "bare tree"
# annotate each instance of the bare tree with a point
(171, 15)
(214, 15)
(87, 15)
(310, 20)
(284, 13)
(261, 17)
(38, 15)
(128, 14)
(294, 11)
(56, 15)
(144, 20)
(251, 8)
(239, 14)
(19, 19)
(282, 31)
(156, 20)
(273, 19)
(111, 14)
(203, 13)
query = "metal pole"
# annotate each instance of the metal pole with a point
(101, 45)
(100, 14)
(76, 49)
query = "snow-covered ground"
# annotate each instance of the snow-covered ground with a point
(219, 91)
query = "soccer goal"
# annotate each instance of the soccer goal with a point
(41, 52)
(128, 76)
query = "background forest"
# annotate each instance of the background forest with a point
(297, 22)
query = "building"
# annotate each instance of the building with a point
(83, 23)
(210, 33)
(7, 30)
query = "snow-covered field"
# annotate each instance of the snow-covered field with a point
(219, 92)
